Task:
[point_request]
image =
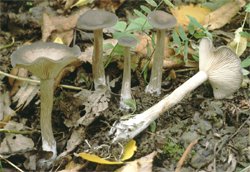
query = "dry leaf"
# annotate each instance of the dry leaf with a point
(16, 143)
(239, 44)
(80, 3)
(223, 15)
(181, 13)
(72, 167)
(109, 5)
(129, 151)
(5, 111)
(143, 164)
(16, 84)
(60, 26)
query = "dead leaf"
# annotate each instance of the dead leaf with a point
(60, 26)
(239, 44)
(16, 143)
(94, 103)
(143, 164)
(216, 20)
(72, 167)
(109, 5)
(5, 111)
(181, 14)
(80, 3)
(16, 84)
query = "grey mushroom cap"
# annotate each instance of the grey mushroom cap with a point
(127, 41)
(96, 19)
(161, 20)
(222, 66)
(45, 60)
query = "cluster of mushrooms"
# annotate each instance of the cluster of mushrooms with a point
(220, 66)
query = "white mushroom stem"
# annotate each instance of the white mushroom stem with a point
(97, 62)
(154, 85)
(126, 80)
(130, 128)
(47, 92)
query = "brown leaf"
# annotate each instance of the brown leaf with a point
(109, 5)
(60, 26)
(223, 15)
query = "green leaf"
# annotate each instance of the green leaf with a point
(186, 52)
(108, 46)
(194, 22)
(139, 14)
(131, 103)
(139, 24)
(152, 127)
(176, 38)
(246, 63)
(245, 34)
(248, 8)
(182, 33)
(145, 9)
(152, 3)
(120, 26)
(169, 4)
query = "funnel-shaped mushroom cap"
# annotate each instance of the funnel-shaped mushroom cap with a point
(127, 41)
(45, 60)
(96, 19)
(161, 20)
(222, 66)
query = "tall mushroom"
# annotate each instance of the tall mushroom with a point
(220, 66)
(45, 60)
(96, 20)
(161, 21)
(126, 42)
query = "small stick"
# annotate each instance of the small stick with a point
(184, 155)
(13, 165)
(37, 81)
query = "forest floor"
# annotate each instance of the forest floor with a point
(82, 117)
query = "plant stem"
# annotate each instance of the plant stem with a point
(130, 128)
(97, 62)
(47, 92)
(126, 80)
(154, 85)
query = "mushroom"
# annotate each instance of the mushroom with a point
(45, 60)
(96, 20)
(220, 66)
(126, 42)
(161, 21)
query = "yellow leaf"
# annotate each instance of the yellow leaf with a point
(182, 12)
(58, 40)
(97, 159)
(239, 44)
(81, 3)
(129, 150)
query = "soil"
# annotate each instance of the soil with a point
(221, 126)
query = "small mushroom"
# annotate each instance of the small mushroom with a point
(45, 60)
(161, 21)
(221, 67)
(96, 20)
(126, 42)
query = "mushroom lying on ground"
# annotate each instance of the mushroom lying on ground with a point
(126, 42)
(221, 67)
(161, 21)
(96, 20)
(45, 60)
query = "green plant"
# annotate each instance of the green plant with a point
(173, 150)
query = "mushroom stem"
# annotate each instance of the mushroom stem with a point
(97, 63)
(47, 91)
(154, 85)
(130, 128)
(126, 80)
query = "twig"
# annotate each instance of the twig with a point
(37, 81)
(8, 45)
(17, 132)
(13, 165)
(184, 155)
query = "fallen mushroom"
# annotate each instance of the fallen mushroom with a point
(161, 21)
(126, 42)
(220, 66)
(96, 20)
(45, 60)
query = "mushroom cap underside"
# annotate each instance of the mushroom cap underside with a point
(96, 19)
(127, 41)
(45, 60)
(222, 66)
(161, 20)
